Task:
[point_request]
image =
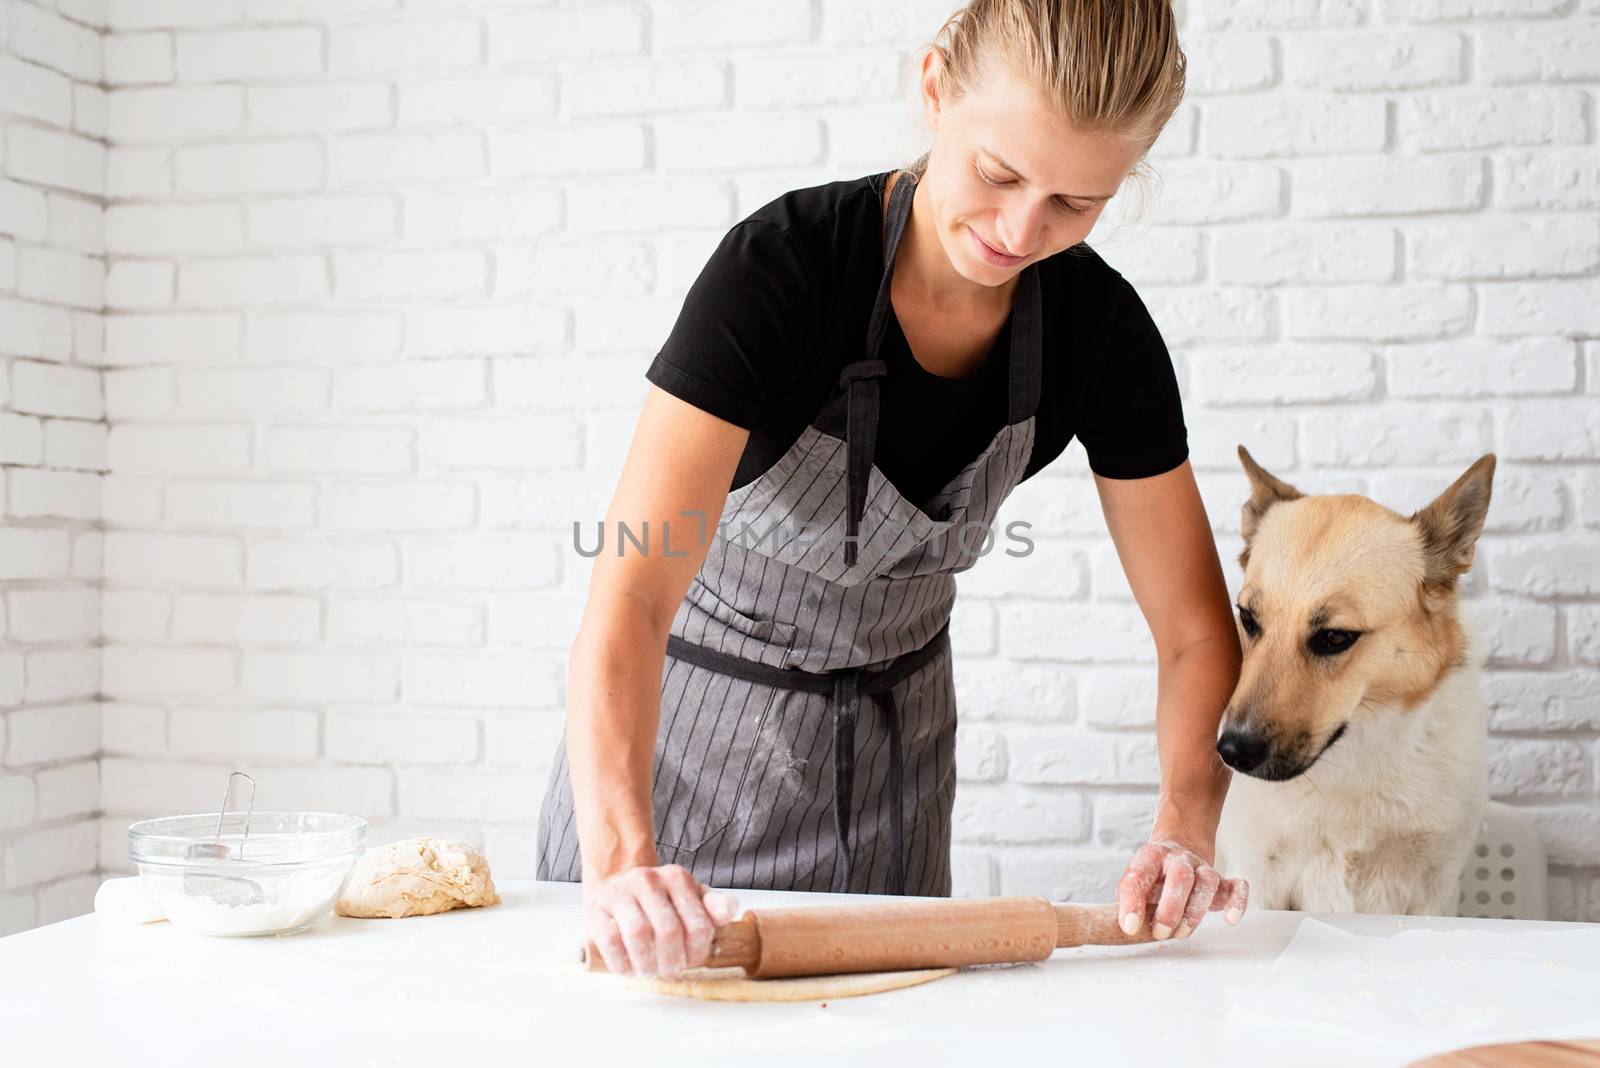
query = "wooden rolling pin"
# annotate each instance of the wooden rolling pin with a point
(897, 935)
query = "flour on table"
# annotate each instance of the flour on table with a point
(417, 877)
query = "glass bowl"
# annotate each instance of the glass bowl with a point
(280, 878)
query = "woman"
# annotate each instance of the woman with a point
(860, 375)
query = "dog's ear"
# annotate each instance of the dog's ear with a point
(1266, 490)
(1451, 524)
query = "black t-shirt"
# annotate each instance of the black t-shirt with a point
(784, 302)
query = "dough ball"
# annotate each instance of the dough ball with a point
(417, 877)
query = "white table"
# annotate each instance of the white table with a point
(477, 987)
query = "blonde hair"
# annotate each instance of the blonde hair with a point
(1107, 66)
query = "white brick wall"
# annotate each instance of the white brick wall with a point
(53, 452)
(312, 314)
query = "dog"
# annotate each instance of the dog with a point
(1357, 729)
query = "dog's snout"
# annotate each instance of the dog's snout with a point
(1243, 750)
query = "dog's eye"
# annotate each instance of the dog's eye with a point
(1247, 619)
(1327, 642)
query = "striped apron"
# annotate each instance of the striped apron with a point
(824, 586)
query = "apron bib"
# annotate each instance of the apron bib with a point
(824, 586)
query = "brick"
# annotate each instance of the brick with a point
(1087, 877)
(1522, 635)
(52, 389)
(68, 790)
(503, 98)
(480, 563)
(53, 615)
(541, 621)
(1461, 10)
(487, 331)
(1327, 253)
(292, 109)
(410, 622)
(1231, 63)
(1483, 367)
(60, 494)
(1004, 812)
(246, 620)
(528, 740)
(276, 564)
(414, 505)
(723, 25)
(575, 34)
(1551, 430)
(1544, 570)
(1503, 248)
(250, 281)
(50, 157)
(407, 159)
(1377, 313)
(409, 275)
(470, 794)
(1471, 118)
(1076, 633)
(52, 735)
(816, 78)
(1311, 125)
(33, 553)
(277, 54)
(592, 148)
(172, 338)
(137, 58)
(1061, 758)
(654, 87)
(1540, 308)
(318, 676)
(132, 284)
(341, 337)
(1558, 179)
(1303, 374)
(36, 92)
(189, 560)
(193, 449)
(1526, 769)
(156, 229)
(737, 143)
(1568, 50)
(1365, 60)
(355, 450)
(134, 172)
(175, 113)
(980, 754)
(51, 853)
(664, 204)
(1385, 185)
(410, 386)
(420, 44)
(482, 681)
(48, 39)
(1393, 436)
(148, 14)
(1243, 15)
(17, 801)
(390, 739)
(252, 391)
(232, 734)
(280, 166)
(488, 214)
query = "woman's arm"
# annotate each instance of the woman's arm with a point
(1164, 540)
(680, 462)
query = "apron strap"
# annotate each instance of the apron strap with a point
(860, 381)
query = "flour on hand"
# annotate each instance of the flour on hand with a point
(417, 877)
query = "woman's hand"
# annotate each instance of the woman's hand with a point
(653, 920)
(1184, 886)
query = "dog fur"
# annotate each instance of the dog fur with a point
(1360, 776)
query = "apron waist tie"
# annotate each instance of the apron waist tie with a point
(845, 686)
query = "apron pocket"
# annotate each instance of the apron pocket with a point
(771, 631)
(719, 765)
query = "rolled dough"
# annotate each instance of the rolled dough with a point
(731, 984)
(417, 877)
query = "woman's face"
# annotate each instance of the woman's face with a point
(1009, 182)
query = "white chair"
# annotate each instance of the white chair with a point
(1506, 876)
